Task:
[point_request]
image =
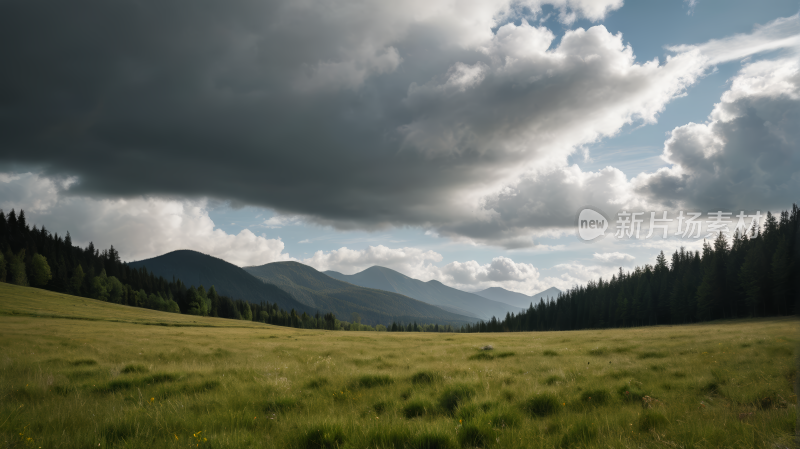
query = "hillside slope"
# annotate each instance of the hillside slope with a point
(518, 299)
(17, 301)
(321, 291)
(194, 268)
(431, 292)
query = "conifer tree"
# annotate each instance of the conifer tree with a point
(2, 265)
(214, 297)
(752, 278)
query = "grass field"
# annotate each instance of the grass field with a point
(78, 373)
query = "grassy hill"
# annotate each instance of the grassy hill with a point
(100, 377)
(16, 301)
(431, 292)
(319, 290)
(194, 268)
(517, 299)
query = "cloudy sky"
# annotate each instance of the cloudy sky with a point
(449, 140)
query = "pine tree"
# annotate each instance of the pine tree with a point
(781, 277)
(214, 297)
(2, 265)
(21, 224)
(752, 279)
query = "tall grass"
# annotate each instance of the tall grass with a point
(97, 376)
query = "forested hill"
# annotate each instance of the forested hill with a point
(746, 276)
(33, 256)
(321, 291)
(197, 269)
(431, 292)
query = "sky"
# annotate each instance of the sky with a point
(448, 140)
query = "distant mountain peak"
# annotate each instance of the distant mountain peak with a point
(333, 291)
(431, 292)
(516, 298)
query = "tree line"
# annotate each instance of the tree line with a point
(31, 256)
(755, 273)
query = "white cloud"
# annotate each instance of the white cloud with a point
(139, 228)
(412, 262)
(614, 258)
(746, 155)
(420, 264)
(279, 221)
(690, 6)
(782, 33)
(575, 273)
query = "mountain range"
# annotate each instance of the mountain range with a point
(320, 291)
(378, 295)
(296, 286)
(517, 299)
(431, 292)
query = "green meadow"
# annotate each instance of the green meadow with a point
(80, 373)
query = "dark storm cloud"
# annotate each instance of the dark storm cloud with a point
(200, 98)
(352, 114)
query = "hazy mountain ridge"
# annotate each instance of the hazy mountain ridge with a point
(431, 292)
(318, 290)
(518, 299)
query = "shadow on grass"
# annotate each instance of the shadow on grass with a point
(541, 405)
(371, 381)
